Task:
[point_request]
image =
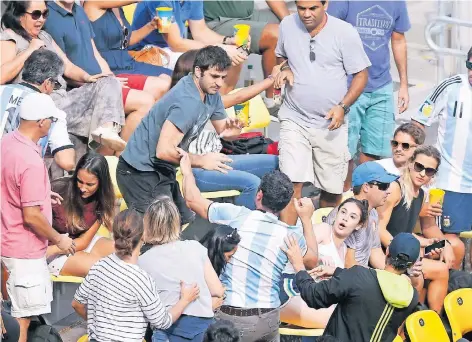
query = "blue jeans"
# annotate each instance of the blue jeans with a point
(185, 329)
(244, 177)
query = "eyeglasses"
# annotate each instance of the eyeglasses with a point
(381, 186)
(55, 84)
(429, 171)
(312, 52)
(125, 41)
(468, 65)
(36, 14)
(405, 146)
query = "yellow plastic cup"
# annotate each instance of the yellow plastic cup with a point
(436, 196)
(165, 14)
(242, 112)
(241, 33)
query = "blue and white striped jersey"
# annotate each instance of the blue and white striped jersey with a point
(450, 104)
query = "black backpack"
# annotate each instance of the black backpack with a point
(39, 331)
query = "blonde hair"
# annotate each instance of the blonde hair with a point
(161, 222)
(407, 188)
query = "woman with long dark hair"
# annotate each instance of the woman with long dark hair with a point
(244, 171)
(94, 106)
(88, 203)
(221, 243)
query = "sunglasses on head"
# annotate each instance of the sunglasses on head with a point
(125, 41)
(405, 146)
(52, 118)
(55, 83)
(429, 171)
(36, 14)
(468, 65)
(312, 53)
(381, 186)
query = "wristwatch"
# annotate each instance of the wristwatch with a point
(345, 107)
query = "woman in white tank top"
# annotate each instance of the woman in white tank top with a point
(351, 216)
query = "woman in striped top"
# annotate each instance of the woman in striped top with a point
(118, 298)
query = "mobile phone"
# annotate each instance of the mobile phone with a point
(430, 248)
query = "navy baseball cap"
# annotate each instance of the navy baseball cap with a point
(371, 172)
(407, 245)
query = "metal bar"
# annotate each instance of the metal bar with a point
(442, 50)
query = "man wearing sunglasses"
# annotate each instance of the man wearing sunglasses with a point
(40, 75)
(450, 103)
(322, 51)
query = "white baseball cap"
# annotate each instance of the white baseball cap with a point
(38, 106)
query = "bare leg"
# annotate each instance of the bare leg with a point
(458, 247)
(79, 264)
(328, 200)
(289, 214)
(24, 324)
(348, 181)
(157, 86)
(438, 273)
(297, 312)
(267, 45)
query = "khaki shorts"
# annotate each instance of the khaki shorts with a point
(29, 286)
(318, 156)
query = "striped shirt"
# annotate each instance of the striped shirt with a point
(121, 299)
(252, 275)
(451, 104)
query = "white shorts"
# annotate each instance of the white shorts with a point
(55, 264)
(318, 156)
(29, 286)
(174, 56)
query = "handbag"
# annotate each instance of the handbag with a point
(151, 54)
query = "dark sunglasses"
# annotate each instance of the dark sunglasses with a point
(405, 146)
(429, 171)
(468, 65)
(312, 53)
(36, 14)
(381, 186)
(56, 84)
(52, 118)
(232, 235)
(125, 41)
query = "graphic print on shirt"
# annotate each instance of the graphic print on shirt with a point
(373, 24)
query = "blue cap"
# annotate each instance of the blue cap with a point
(371, 172)
(406, 244)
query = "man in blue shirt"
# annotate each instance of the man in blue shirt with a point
(188, 15)
(147, 167)
(372, 117)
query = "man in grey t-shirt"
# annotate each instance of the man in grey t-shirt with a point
(321, 51)
(371, 182)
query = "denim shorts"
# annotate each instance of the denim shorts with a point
(185, 329)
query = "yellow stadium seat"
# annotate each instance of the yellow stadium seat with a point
(398, 339)
(66, 279)
(123, 205)
(104, 232)
(296, 331)
(458, 306)
(259, 116)
(466, 235)
(84, 338)
(426, 326)
(347, 194)
(320, 215)
(209, 195)
(129, 12)
(112, 164)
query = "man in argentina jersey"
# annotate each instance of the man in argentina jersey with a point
(40, 74)
(451, 104)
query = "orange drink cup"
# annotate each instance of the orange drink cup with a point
(436, 196)
(241, 112)
(165, 15)
(241, 33)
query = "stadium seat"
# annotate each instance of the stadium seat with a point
(320, 215)
(426, 326)
(458, 307)
(84, 338)
(398, 339)
(259, 116)
(297, 331)
(466, 235)
(112, 164)
(129, 12)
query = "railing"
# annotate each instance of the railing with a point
(441, 51)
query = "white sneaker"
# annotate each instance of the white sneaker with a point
(108, 137)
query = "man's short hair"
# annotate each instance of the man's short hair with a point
(212, 57)
(356, 190)
(277, 190)
(41, 65)
(222, 331)
(413, 131)
(469, 54)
